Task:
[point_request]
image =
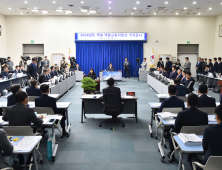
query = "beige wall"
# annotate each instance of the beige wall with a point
(218, 40)
(57, 33)
(3, 40)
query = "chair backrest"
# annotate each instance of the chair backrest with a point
(112, 103)
(198, 130)
(175, 110)
(3, 111)
(190, 85)
(208, 110)
(41, 110)
(18, 130)
(214, 163)
(32, 98)
(184, 98)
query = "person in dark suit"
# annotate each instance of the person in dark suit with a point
(21, 115)
(203, 64)
(52, 73)
(211, 140)
(177, 65)
(199, 67)
(181, 90)
(183, 79)
(21, 70)
(188, 80)
(92, 74)
(179, 74)
(57, 72)
(219, 68)
(215, 67)
(33, 90)
(207, 70)
(173, 73)
(46, 101)
(161, 70)
(110, 68)
(189, 117)
(210, 64)
(173, 101)
(16, 71)
(40, 64)
(204, 100)
(44, 77)
(49, 74)
(6, 147)
(126, 67)
(32, 70)
(77, 68)
(11, 98)
(165, 74)
(4, 72)
(160, 63)
(168, 65)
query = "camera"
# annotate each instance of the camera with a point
(39, 58)
(73, 62)
(25, 59)
(3, 61)
(138, 60)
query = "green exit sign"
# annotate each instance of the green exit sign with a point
(188, 42)
(32, 41)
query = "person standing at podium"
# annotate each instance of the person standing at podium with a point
(111, 68)
(77, 67)
(126, 67)
(144, 64)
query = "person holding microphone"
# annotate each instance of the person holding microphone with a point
(126, 67)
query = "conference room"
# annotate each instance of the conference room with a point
(110, 85)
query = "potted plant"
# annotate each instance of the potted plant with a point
(88, 85)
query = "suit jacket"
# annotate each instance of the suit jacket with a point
(168, 65)
(111, 69)
(190, 117)
(173, 75)
(21, 115)
(188, 81)
(33, 91)
(177, 65)
(93, 75)
(4, 74)
(212, 140)
(6, 147)
(79, 68)
(215, 67)
(46, 62)
(112, 89)
(165, 74)
(32, 71)
(183, 80)
(52, 74)
(219, 68)
(16, 71)
(180, 76)
(199, 66)
(160, 63)
(11, 100)
(173, 101)
(181, 90)
(43, 78)
(210, 65)
(56, 73)
(48, 76)
(46, 101)
(205, 101)
(187, 66)
(126, 65)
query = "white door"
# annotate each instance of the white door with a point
(192, 59)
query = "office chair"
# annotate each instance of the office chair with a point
(208, 110)
(32, 98)
(23, 131)
(198, 130)
(190, 86)
(112, 107)
(213, 163)
(184, 98)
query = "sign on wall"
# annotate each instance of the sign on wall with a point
(109, 36)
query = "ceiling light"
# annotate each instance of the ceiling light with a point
(84, 10)
(177, 13)
(110, 13)
(21, 13)
(60, 7)
(35, 10)
(132, 13)
(199, 13)
(166, 2)
(53, 2)
(109, 7)
(88, 13)
(210, 8)
(137, 2)
(154, 13)
(194, 2)
(9, 8)
(25, 2)
(110, 2)
(44, 11)
(185, 8)
(221, 3)
(82, 2)
(134, 8)
(92, 11)
(59, 10)
(67, 11)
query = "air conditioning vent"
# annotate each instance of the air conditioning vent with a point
(23, 8)
(70, 5)
(161, 8)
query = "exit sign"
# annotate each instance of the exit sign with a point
(32, 41)
(188, 42)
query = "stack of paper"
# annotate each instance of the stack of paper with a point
(156, 104)
(167, 115)
(171, 121)
(57, 117)
(190, 139)
(26, 144)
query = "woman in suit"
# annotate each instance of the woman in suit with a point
(178, 64)
(92, 74)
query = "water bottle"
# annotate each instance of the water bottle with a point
(196, 91)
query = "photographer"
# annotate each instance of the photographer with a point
(73, 64)
(10, 64)
(32, 70)
(40, 64)
(3, 62)
(63, 62)
(23, 62)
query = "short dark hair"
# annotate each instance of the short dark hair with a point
(210, 59)
(160, 58)
(34, 59)
(91, 69)
(15, 88)
(20, 96)
(5, 67)
(205, 58)
(172, 89)
(9, 57)
(144, 58)
(167, 58)
(177, 81)
(187, 58)
(219, 58)
(33, 82)
(165, 69)
(174, 67)
(110, 81)
(188, 73)
(215, 58)
(203, 88)
(207, 66)
(45, 70)
(185, 71)
(44, 88)
(45, 56)
(16, 66)
(218, 111)
(110, 63)
(63, 57)
(178, 59)
(51, 67)
(192, 100)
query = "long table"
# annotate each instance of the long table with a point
(157, 85)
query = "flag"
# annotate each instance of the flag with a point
(69, 56)
(152, 64)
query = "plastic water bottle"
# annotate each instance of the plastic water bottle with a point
(196, 91)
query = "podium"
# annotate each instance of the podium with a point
(220, 84)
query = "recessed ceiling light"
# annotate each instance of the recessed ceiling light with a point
(84, 10)
(110, 2)
(210, 8)
(88, 13)
(82, 2)
(185, 8)
(221, 3)
(199, 13)
(21, 13)
(134, 8)
(177, 13)
(59, 10)
(132, 13)
(35, 8)
(137, 2)
(25, 2)
(92, 11)
(53, 2)
(44, 11)
(110, 13)
(194, 2)
(154, 13)
(109, 7)
(60, 7)
(166, 2)
(9, 8)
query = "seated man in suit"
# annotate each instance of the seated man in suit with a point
(57, 72)
(189, 82)
(183, 79)
(207, 70)
(77, 68)
(43, 78)
(173, 73)
(21, 115)
(204, 100)
(16, 71)
(161, 70)
(11, 98)
(49, 74)
(6, 147)
(179, 72)
(21, 70)
(52, 73)
(189, 117)
(110, 68)
(4, 73)
(181, 90)
(33, 90)
(165, 74)
(212, 140)
(46, 101)
(172, 101)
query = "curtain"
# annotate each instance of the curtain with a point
(98, 55)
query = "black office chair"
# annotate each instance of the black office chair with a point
(190, 86)
(112, 107)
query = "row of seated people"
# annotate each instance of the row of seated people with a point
(194, 117)
(5, 71)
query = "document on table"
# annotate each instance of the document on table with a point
(190, 139)
(26, 143)
(58, 117)
(156, 104)
(167, 115)
(171, 121)
(163, 95)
